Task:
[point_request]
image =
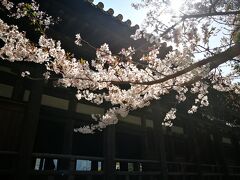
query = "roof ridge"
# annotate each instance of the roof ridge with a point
(110, 12)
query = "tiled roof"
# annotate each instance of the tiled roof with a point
(110, 11)
(148, 37)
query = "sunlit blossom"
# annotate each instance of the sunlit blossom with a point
(100, 79)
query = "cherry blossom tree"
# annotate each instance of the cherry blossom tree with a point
(194, 64)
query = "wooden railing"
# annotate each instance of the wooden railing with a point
(8, 153)
(234, 171)
(126, 169)
(211, 170)
(182, 169)
(137, 169)
(66, 165)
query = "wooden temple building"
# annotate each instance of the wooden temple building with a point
(37, 141)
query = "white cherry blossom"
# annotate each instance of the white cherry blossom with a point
(126, 83)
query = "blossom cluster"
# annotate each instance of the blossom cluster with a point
(169, 116)
(104, 78)
(78, 39)
(7, 4)
(17, 47)
(202, 99)
(40, 19)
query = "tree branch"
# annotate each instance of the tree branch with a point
(214, 62)
(210, 14)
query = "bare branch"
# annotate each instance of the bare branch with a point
(210, 14)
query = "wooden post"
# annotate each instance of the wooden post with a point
(18, 90)
(159, 140)
(146, 152)
(236, 146)
(191, 131)
(67, 148)
(171, 146)
(219, 153)
(68, 137)
(29, 130)
(109, 153)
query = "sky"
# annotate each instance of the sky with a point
(124, 7)
(137, 16)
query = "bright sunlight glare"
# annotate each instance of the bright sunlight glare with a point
(176, 6)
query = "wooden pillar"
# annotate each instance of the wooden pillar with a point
(236, 146)
(172, 147)
(159, 141)
(68, 133)
(219, 153)
(146, 152)
(29, 129)
(109, 153)
(18, 90)
(69, 164)
(194, 147)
